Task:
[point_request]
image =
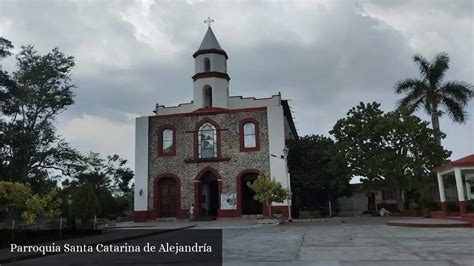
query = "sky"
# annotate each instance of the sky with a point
(325, 56)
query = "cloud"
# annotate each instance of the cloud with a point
(95, 133)
(325, 56)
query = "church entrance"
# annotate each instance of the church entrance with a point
(167, 198)
(209, 196)
(249, 204)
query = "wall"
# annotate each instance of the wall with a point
(232, 160)
(218, 63)
(220, 92)
(141, 164)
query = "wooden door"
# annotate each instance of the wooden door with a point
(168, 198)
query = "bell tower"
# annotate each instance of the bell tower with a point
(210, 81)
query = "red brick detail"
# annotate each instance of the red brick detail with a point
(196, 138)
(462, 207)
(157, 191)
(468, 217)
(239, 188)
(211, 74)
(140, 216)
(275, 209)
(228, 213)
(437, 214)
(242, 137)
(209, 110)
(197, 191)
(444, 208)
(210, 51)
(207, 160)
(213, 111)
(162, 153)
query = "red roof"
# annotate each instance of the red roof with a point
(463, 162)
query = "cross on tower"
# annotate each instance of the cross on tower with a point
(208, 21)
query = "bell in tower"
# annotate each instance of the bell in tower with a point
(210, 81)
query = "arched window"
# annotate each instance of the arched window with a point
(207, 145)
(207, 97)
(207, 64)
(167, 141)
(249, 135)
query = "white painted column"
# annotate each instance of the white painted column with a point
(468, 186)
(459, 184)
(442, 193)
(141, 164)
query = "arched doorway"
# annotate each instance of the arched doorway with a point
(209, 196)
(167, 194)
(249, 204)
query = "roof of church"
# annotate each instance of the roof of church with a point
(209, 41)
(210, 45)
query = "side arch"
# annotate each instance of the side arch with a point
(157, 194)
(239, 186)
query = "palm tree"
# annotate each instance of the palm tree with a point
(432, 94)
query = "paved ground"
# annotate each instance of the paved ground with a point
(356, 241)
(349, 241)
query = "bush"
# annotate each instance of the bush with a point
(84, 203)
(17, 198)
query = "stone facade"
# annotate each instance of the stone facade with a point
(168, 182)
(184, 164)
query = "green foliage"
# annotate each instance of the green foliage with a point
(431, 93)
(17, 198)
(109, 179)
(30, 99)
(396, 147)
(13, 197)
(318, 172)
(84, 203)
(268, 191)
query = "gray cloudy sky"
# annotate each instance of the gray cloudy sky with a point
(326, 56)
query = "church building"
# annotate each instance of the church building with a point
(204, 152)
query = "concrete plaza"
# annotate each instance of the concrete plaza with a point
(337, 241)
(348, 241)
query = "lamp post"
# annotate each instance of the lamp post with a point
(285, 158)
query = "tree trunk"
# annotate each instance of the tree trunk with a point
(269, 205)
(400, 203)
(435, 124)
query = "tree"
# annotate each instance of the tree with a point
(16, 198)
(5, 47)
(30, 99)
(12, 198)
(109, 179)
(84, 203)
(318, 173)
(396, 147)
(47, 206)
(431, 93)
(268, 191)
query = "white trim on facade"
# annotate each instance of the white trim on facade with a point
(141, 164)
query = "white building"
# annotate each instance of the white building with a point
(204, 152)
